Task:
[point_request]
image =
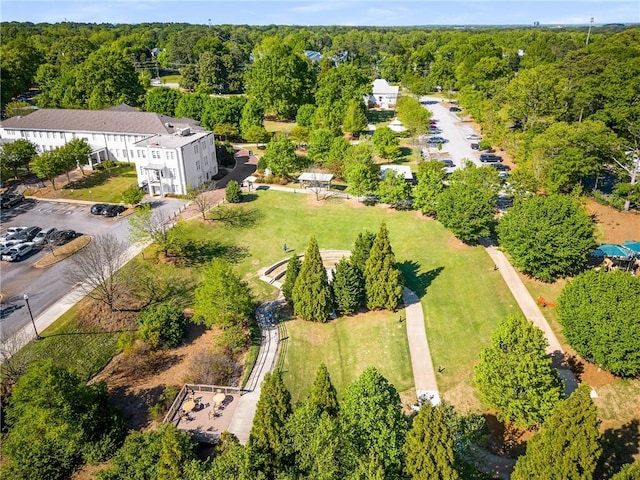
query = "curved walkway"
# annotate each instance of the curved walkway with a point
(532, 313)
(242, 420)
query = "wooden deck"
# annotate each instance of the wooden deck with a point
(206, 421)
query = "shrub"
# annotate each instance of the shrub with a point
(165, 400)
(234, 339)
(233, 192)
(162, 325)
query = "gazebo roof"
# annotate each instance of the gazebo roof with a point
(613, 251)
(315, 177)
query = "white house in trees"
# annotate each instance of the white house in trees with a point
(384, 95)
(170, 154)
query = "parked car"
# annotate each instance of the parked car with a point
(448, 162)
(455, 109)
(434, 131)
(14, 254)
(9, 200)
(501, 167)
(98, 208)
(28, 234)
(437, 140)
(10, 233)
(473, 136)
(10, 243)
(490, 158)
(43, 236)
(475, 146)
(113, 210)
(62, 236)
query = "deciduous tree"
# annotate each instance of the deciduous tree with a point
(48, 165)
(599, 315)
(18, 154)
(355, 118)
(394, 189)
(163, 100)
(568, 444)
(280, 156)
(547, 237)
(305, 114)
(385, 143)
(515, 375)
(95, 268)
(223, 298)
(312, 299)
(56, 422)
(373, 422)
(430, 184)
(319, 145)
(162, 325)
(360, 172)
(466, 210)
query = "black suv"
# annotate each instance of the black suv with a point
(490, 158)
(27, 234)
(501, 167)
(11, 200)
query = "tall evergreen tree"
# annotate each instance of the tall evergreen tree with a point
(429, 447)
(268, 440)
(383, 280)
(293, 269)
(311, 293)
(323, 394)
(567, 446)
(348, 287)
(362, 249)
(515, 375)
(373, 423)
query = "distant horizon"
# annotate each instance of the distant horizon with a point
(318, 13)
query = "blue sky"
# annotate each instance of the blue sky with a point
(318, 12)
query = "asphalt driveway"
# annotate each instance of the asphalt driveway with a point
(46, 286)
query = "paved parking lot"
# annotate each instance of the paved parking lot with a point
(453, 129)
(46, 286)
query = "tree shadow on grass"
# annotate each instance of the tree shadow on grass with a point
(248, 197)
(98, 178)
(380, 116)
(619, 445)
(414, 279)
(197, 252)
(236, 217)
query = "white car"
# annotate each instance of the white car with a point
(10, 243)
(473, 136)
(14, 254)
(43, 236)
(10, 231)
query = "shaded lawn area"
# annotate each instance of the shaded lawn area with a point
(380, 118)
(71, 345)
(103, 185)
(462, 296)
(347, 345)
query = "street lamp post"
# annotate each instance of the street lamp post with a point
(589, 32)
(26, 299)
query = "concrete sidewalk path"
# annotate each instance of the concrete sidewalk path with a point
(532, 313)
(424, 375)
(242, 420)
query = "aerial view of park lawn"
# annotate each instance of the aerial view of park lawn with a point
(463, 297)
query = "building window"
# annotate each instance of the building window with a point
(154, 154)
(195, 147)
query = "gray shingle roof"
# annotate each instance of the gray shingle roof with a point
(108, 121)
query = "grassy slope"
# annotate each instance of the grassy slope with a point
(463, 298)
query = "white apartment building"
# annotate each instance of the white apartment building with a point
(170, 154)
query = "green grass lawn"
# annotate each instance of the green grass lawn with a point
(279, 127)
(103, 186)
(347, 346)
(68, 344)
(463, 297)
(171, 79)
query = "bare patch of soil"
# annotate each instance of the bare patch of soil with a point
(135, 379)
(505, 439)
(612, 225)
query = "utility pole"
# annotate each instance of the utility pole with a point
(589, 32)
